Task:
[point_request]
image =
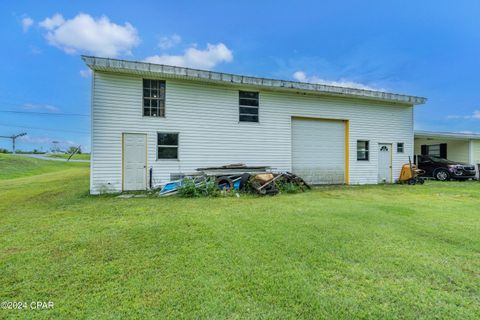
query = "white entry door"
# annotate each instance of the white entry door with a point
(385, 162)
(134, 161)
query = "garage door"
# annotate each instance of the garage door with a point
(318, 150)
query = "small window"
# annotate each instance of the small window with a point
(248, 106)
(400, 148)
(362, 150)
(153, 98)
(167, 145)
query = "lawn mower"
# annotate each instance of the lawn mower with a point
(410, 174)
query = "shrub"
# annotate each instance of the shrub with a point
(205, 188)
(188, 189)
(288, 187)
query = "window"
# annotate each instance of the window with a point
(248, 103)
(433, 150)
(153, 98)
(400, 147)
(362, 150)
(167, 144)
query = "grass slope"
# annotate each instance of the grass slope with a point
(82, 156)
(12, 166)
(395, 252)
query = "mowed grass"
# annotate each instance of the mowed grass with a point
(374, 252)
(12, 166)
(81, 156)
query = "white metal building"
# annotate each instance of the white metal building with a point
(174, 120)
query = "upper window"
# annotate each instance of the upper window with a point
(362, 150)
(248, 103)
(167, 145)
(153, 98)
(400, 147)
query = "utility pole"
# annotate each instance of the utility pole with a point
(14, 137)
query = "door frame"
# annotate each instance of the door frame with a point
(391, 158)
(346, 123)
(123, 158)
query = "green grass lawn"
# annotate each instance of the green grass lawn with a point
(81, 156)
(376, 252)
(21, 166)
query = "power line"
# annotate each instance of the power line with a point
(46, 129)
(47, 113)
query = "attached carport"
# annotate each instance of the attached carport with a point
(460, 147)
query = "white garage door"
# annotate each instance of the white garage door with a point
(318, 150)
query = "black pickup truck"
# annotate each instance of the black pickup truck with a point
(443, 169)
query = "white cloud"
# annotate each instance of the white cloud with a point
(475, 116)
(169, 42)
(85, 34)
(27, 22)
(40, 107)
(302, 77)
(51, 23)
(85, 73)
(196, 58)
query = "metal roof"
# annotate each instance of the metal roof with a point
(447, 135)
(150, 69)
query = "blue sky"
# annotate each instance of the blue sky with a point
(426, 48)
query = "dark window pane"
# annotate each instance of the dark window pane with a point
(167, 153)
(169, 139)
(247, 118)
(146, 112)
(248, 94)
(154, 103)
(362, 145)
(249, 102)
(146, 102)
(400, 147)
(362, 150)
(154, 93)
(362, 155)
(161, 108)
(146, 83)
(244, 110)
(146, 93)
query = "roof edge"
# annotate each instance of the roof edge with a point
(451, 135)
(128, 66)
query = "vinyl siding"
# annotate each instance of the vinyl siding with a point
(457, 150)
(206, 118)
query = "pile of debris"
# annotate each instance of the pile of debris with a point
(240, 177)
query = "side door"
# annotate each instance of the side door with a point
(385, 163)
(134, 161)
